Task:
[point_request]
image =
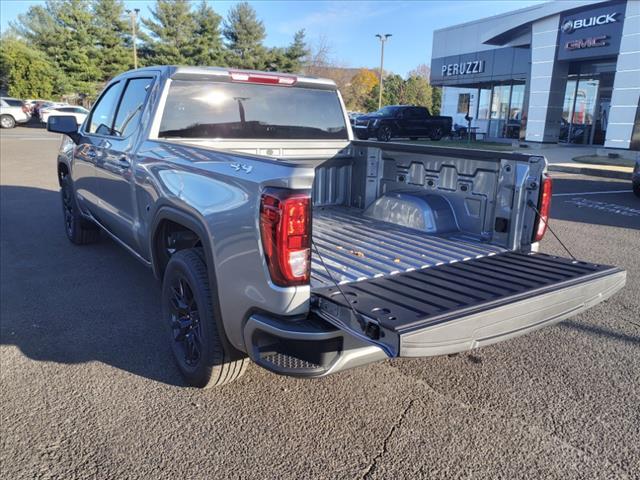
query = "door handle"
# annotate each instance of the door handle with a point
(123, 162)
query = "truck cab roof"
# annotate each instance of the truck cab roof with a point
(237, 75)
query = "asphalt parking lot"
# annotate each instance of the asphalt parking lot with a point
(89, 388)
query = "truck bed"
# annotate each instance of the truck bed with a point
(356, 248)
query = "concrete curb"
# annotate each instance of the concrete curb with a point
(594, 172)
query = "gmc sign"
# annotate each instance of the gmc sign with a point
(600, 41)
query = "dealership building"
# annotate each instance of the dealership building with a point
(558, 72)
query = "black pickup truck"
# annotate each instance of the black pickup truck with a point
(401, 121)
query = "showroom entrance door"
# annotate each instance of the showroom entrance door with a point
(585, 112)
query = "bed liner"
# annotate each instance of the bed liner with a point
(356, 248)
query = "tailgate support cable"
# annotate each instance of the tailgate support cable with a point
(359, 318)
(531, 204)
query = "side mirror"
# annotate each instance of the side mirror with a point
(66, 125)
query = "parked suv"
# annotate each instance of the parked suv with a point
(13, 111)
(402, 121)
(279, 238)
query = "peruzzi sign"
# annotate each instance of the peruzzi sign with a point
(463, 68)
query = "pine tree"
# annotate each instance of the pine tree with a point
(244, 35)
(208, 49)
(62, 31)
(112, 35)
(172, 31)
(294, 55)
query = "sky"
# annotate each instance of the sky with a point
(349, 26)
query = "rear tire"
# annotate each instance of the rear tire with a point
(436, 134)
(7, 121)
(78, 229)
(636, 188)
(200, 348)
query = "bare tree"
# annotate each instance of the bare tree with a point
(319, 57)
(423, 70)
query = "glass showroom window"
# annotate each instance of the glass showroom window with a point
(499, 110)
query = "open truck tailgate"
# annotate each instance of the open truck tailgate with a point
(459, 306)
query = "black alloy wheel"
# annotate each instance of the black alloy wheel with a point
(185, 323)
(436, 133)
(191, 310)
(68, 210)
(384, 133)
(79, 230)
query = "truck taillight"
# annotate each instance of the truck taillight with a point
(544, 206)
(285, 226)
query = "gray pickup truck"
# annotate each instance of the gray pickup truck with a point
(279, 238)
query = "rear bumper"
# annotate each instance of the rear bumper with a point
(305, 348)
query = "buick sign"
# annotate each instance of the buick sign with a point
(463, 68)
(569, 26)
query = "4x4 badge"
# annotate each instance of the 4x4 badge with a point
(242, 166)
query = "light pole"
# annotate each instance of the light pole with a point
(382, 38)
(134, 18)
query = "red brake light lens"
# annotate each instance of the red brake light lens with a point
(544, 207)
(285, 226)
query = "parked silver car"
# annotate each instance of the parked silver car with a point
(12, 111)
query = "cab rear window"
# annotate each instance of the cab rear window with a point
(221, 110)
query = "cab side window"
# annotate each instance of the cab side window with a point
(131, 105)
(102, 115)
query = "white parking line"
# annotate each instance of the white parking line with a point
(589, 193)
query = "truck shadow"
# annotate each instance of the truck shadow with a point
(75, 304)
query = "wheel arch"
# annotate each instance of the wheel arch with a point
(167, 216)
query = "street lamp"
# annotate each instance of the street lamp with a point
(134, 18)
(382, 38)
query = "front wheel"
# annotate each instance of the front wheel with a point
(384, 134)
(7, 121)
(79, 230)
(202, 352)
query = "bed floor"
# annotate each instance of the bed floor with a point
(356, 248)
